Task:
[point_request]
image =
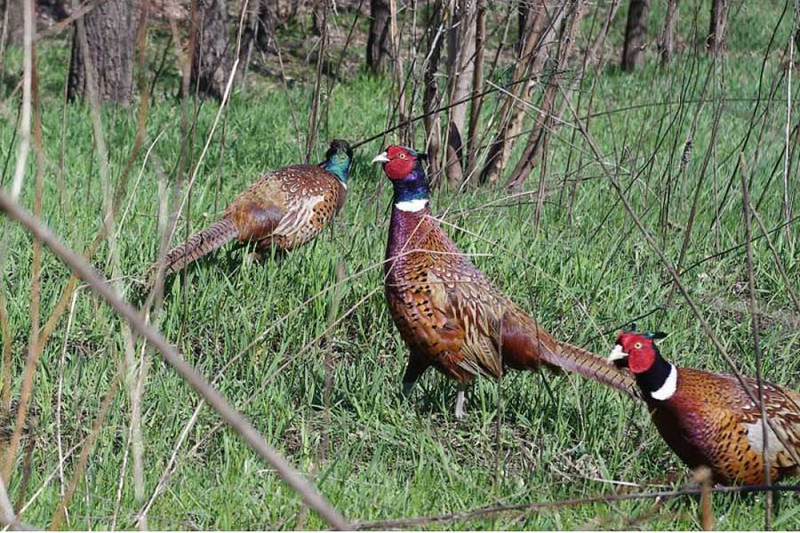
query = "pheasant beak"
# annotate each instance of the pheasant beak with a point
(616, 354)
(381, 158)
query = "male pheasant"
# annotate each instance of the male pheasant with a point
(708, 419)
(285, 208)
(449, 315)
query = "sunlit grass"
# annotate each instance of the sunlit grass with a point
(580, 276)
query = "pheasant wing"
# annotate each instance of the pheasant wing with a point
(471, 306)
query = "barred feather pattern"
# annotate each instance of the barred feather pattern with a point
(592, 367)
(199, 244)
(453, 319)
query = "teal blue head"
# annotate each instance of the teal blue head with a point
(338, 159)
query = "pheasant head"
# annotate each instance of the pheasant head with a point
(338, 159)
(637, 352)
(403, 166)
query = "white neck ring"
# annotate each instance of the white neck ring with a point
(412, 206)
(667, 390)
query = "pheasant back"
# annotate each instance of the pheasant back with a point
(712, 421)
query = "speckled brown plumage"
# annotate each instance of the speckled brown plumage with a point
(450, 316)
(285, 208)
(710, 420)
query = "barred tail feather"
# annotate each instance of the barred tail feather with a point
(201, 243)
(590, 366)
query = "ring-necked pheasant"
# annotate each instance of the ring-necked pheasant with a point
(708, 419)
(285, 208)
(449, 315)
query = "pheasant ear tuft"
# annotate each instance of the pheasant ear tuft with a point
(657, 335)
(422, 157)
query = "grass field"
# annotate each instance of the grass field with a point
(374, 455)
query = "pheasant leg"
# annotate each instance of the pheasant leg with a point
(460, 398)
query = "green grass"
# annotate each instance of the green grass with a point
(387, 458)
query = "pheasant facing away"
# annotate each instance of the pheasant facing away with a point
(708, 419)
(449, 315)
(285, 208)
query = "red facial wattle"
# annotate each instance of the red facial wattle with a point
(400, 162)
(641, 354)
(642, 359)
(398, 168)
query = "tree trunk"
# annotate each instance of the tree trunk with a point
(716, 30)
(212, 58)
(264, 24)
(431, 91)
(52, 9)
(454, 158)
(535, 53)
(378, 32)
(110, 34)
(14, 31)
(317, 15)
(523, 24)
(461, 65)
(477, 87)
(666, 45)
(635, 35)
(544, 121)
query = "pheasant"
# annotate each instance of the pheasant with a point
(448, 314)
(285, 208)
(708, 419)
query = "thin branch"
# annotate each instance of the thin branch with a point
(751, 284)
(83, 459)
(249, 434)
(528, 508)
(27, 83)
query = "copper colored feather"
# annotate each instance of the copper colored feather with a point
(285, 208)
(709, 420)
(449, 315)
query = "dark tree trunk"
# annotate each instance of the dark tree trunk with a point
(477, 87)
(14, 31)
(263, 27)
(716, 29)
(317, 16)
(666, 45)
(212, 58)
(523, 11)
(455, 154)
(377, 41)
(52, 9)
(430, 95)
(110, 34)
(635, 35)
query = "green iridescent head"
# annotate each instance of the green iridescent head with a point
(338, 159)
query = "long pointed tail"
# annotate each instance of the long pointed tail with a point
(591, 366)
(201, 243)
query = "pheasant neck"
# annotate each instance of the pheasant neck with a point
(659, 382)
(340, 169)
(409, 214)
(411, 193)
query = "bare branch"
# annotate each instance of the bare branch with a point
(249, 434)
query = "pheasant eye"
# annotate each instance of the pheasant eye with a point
(638, 345)
(402, 156)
